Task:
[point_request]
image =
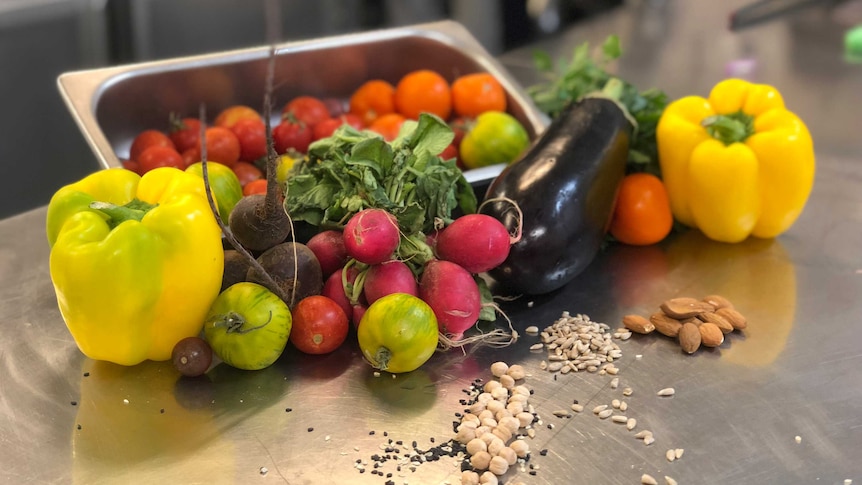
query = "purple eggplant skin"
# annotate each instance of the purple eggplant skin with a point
(566, 186)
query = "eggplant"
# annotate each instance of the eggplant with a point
(565, 186)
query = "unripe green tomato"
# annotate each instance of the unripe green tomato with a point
(398, 333)
(224, 183)
(248, 326)
(496, 137)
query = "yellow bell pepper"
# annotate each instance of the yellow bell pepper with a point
(135, 261)
(736, 164)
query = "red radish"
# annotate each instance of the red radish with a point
(371, 236)
(328, 246)
(453, 294)
(476, 242)
(387, 278)
(358, 311)
(334, 289)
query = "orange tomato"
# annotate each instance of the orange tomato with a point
(423, 91)
(373, 99)
(229, 116)
(642, 214)
(255, 187)
(388, 125)
(474, 94)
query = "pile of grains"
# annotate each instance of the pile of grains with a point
(694, 323)
(577, 344)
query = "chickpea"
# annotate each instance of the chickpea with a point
(464, 435)
(488, 478)
(470, 417)
(499, 369)
(488, 437)
(480, 460)
(489, 422)
(475, 446)
(509, 454)
(469, 477)
(521, 448)
(523, 390)
(515, 408)
(502, 432)
(495, 406)
(507, 382)
(500, 393)
(495, 446)
(498, 466)
(525, 419)
(482, 430)
(477, 407)
(502, 414)
(511, 423)
(516, 372)
(484, 397)
(491, 385)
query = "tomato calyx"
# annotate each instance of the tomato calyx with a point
(381, 358)
(234, 322)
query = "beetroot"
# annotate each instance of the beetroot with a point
(387, 278)
(371, 236)
(328, 246)
(476, 242)
(453, 294)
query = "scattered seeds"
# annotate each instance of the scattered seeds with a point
(599, 408)
(648, 480)
(677, 453)
(561, 413)
(669, 481)
(667, 391)
(615, 382)
(643, 434)
(670, 455)
(619, 419)
(624, 406)
(532, 330)
(537, 346)
(615, 403)
(648, 440)
(577, 408)
(798, 439)
(631, 423)
(627, 391)
(606, 413)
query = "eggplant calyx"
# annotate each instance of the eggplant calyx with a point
(613, 91)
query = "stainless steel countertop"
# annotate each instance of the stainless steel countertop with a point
(737, 411)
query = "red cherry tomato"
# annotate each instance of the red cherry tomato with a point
(222, 147)
(246, 172)
(255, 187)
(305, 109)
(230, 116)
(132, 165)
(450, 152)
(185, 133)
(335, 106)
(326, 127)
(319, 325)
(251, 133)
(159, 156)
(291, 135)
(147, 139)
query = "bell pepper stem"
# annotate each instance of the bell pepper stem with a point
(117, 214)
(729, 129)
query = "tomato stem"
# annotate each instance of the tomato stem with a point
(233, 322)
(382, 357)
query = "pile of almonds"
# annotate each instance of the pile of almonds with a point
(691, 321)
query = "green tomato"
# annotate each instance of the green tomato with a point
(496, 137)
(224, 183)
(398, 333)
(248, 326)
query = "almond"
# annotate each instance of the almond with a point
(685, 307)
(710, 335)
(717, 319)
(638, 324)
(736, 319)
(689, 338)
(665, 325)
(718, 301)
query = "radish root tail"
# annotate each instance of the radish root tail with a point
(497, 338)
(516, 237)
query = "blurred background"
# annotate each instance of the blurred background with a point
(42, 149)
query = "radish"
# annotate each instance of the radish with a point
(358, 311)
(476, 242)
(329, 248)
(334, 288)
(453, 294)
(389, 277)
(371, 236)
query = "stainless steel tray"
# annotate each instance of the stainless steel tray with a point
(112, 105)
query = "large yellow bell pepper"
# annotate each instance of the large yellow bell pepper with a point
(135, 261)
(736, 164)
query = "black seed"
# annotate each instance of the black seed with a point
(399, 442)
(533, 472)
(459, 415)
(371, 433)
(358, 461)
(555, 377)
(388, 475)
(86, 374)
(362, 470)
(79, 426)
(287, 410)
(74, 403)
(544, 452)
(532, 390)
(162, 410)
(431, 439)
(310, 430)
(385, 433)
(414, 444)
(574, 401)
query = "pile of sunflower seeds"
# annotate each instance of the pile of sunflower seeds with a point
(575, 343)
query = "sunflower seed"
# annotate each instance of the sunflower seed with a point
(531, 330)
(627, 391)
(615, 382)
(669, 454)
(615, 403)
(623, 406)
(619, 419)
(648, 480)
(538, 346)
(631, 423)
(667, 391)
(643, 434)
(669, 481)
(577, 408)
(677, 453)
(561, 413)
(606, 413)
(648, 440)
(599, 408)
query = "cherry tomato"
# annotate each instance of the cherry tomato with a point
(319, 325)
(222, 147)
(292, 135)
(248, 326)
(147, 139)
(496, 137)
(192, 356)
(398, 333)
(251, 133)
(132, 165)
(388, 125)
(159, 156)
(305, 109)
(642, 214)
(246, 172)
(255, 187)
(423, 91)
(335, 106)
(185, 133)
(327, 127)
(372, 100)
(474, 94)
(229, 116)
(450, 152)
(224, 184)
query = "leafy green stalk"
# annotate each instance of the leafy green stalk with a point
(584, 75)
